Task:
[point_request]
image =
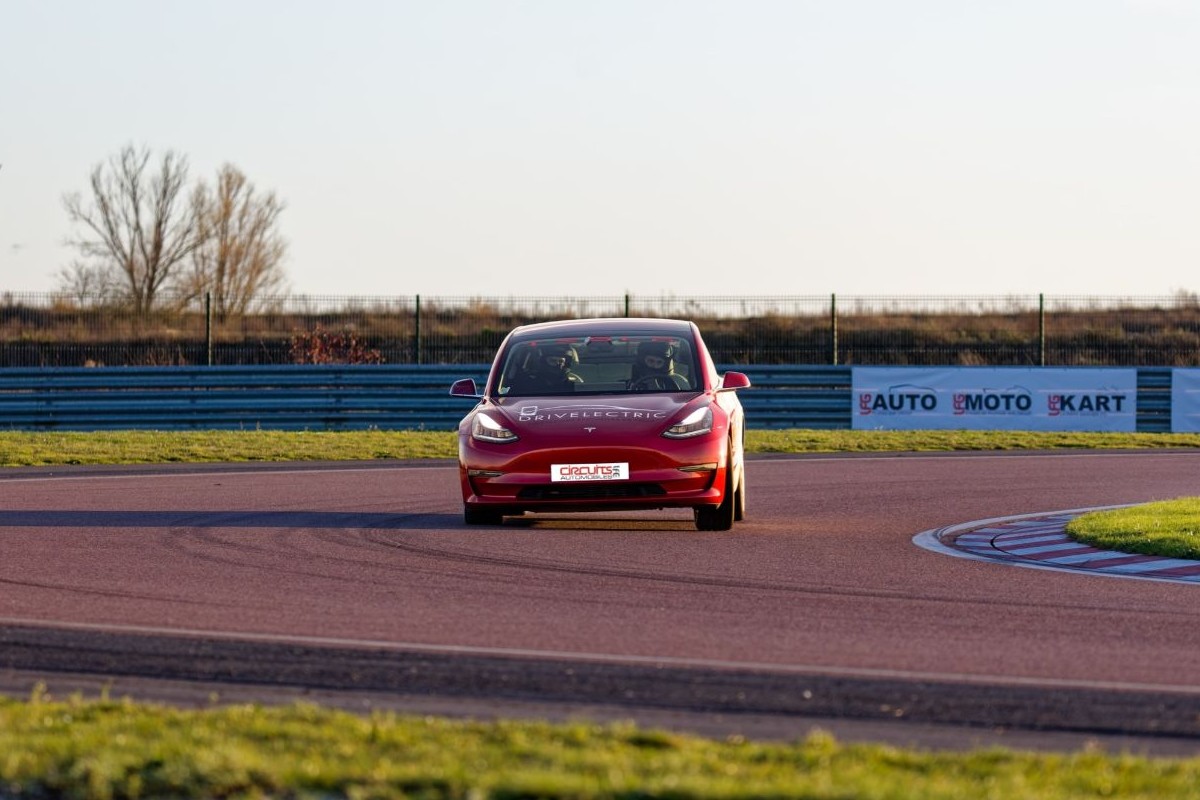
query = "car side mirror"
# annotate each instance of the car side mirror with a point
(465, 388)
(734, 380)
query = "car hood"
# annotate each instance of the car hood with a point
(624, 414)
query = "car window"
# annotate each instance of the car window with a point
(615, 364)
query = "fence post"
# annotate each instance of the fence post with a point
(1041, 329)
(208, 327)
(833, 332)
(417, 333)
(627, 304)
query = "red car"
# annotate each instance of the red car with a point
(604, 415)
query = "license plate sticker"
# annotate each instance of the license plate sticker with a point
(566, 473)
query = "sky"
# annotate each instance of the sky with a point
(500, 148)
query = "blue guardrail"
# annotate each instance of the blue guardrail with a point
(388, 397)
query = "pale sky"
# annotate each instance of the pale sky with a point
(658, 147)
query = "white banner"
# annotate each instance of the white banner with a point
(1185, 400)
(994, 398)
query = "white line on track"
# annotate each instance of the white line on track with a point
(80, 471)
(610, 658)
(242, 470)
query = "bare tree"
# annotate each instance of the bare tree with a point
(138, 224)
(88, 284)
(240, 257)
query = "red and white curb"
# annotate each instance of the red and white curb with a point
(1039, 541)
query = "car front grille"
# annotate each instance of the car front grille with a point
(591, 491)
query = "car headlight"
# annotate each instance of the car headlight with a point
(486, 429)
(694, 424)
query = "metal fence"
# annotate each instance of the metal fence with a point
(46, 329)
(390, 397)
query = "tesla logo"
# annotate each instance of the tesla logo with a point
(589, 430)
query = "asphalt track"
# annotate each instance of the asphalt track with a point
(357, 585)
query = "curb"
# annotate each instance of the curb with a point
(1039, 541)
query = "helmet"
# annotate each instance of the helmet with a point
(664, 350)
(564, 351)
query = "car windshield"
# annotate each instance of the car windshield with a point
(615, 364)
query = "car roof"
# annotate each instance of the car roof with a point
(604, 326)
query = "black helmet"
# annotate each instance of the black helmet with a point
(664, 350)
(565, 351)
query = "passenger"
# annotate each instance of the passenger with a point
(550, 369)
(655, 368)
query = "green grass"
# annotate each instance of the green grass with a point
(25, 449)
(1169, 528)
(105, 748)
(21, 449)
(813, 441)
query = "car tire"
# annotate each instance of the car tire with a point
(739, 503)
(719, 518)
(482, 516)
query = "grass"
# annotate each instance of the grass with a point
(26, 449)
(23, 449)
(103, 748)
(1169, 528)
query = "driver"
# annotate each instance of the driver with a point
(549, 369)
(655, 368)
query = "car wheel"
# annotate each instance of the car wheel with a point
(739, 503)
(719, 518)
(482, 516)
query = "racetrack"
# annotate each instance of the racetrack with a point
(357, 584)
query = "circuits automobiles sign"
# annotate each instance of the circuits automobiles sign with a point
(994, 398)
